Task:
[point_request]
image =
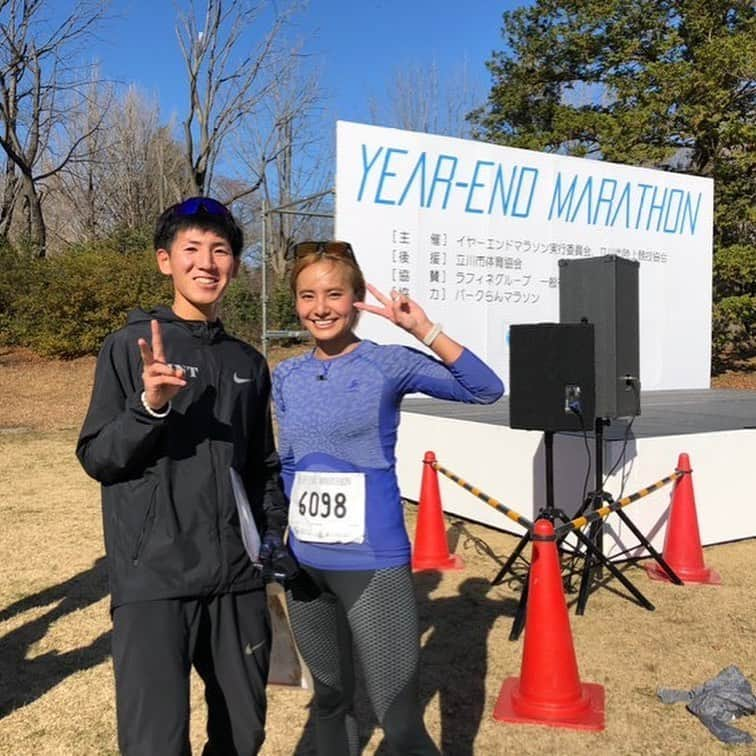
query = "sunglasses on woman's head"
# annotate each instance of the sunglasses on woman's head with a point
(199, 205)
(335, 248)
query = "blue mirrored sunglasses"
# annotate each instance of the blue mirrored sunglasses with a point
(198, 205)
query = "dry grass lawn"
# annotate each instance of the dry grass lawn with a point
(56, 687)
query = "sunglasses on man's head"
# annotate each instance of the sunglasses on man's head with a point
(335, 248)
(199, 205)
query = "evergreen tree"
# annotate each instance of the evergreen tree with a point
(659, 83)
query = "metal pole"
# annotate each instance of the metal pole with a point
(598, 527)
(282, 210)
(595, 530)
(304, 200)
(548, 445)
(264, 253)
(304, 212)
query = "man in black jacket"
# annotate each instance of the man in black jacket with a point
(178, 433)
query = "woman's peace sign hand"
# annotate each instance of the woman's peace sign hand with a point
(399, 309)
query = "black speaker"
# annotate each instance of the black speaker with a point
(551, 384)
(604, 291)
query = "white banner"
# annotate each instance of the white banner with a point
(474, 232)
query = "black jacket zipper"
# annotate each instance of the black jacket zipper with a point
(147, 524)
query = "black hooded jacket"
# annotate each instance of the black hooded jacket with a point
(169, 514)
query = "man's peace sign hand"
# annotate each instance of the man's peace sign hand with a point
(161, 381)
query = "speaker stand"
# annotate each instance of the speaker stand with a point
(598, 498)
(592, 552)
(549, 512)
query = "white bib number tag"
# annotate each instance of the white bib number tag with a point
(328, 507)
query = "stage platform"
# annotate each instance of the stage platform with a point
(716, 428)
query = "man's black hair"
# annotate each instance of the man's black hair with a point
(175, 219)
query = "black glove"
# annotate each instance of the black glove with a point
(278, 563)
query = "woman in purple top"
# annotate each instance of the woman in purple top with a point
(338, 413)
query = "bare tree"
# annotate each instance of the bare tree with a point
(72, 201)
(152, 173)
(39, 88)
(135, 169)
(283, 151)
(230, 70)
(148, 172)
(421, 99)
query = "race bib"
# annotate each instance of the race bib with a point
(328, 507)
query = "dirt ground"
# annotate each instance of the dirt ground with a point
(56, 687)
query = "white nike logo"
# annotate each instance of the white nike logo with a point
(249, 650)
(237, 379)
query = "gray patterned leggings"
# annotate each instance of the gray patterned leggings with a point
(376, 609)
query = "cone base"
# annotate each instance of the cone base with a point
(580, 717)
(703, 575)
(452, 562)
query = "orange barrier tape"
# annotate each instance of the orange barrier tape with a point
(497, 505)
(598, 514)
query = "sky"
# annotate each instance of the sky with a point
(356, 44)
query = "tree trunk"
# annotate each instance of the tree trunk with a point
(8, 199)
(36, 232)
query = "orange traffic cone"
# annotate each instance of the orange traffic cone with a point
(431, 551)
(548, 690)
(682, 542)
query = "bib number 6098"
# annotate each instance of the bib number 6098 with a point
(321, 504)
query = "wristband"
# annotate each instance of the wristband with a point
(430, 337)
(152, 412)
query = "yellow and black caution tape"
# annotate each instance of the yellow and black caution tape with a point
(598, 514)
(497, 505)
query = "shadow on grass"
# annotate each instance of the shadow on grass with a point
(24, 680)
(454, 659)
(453, 663)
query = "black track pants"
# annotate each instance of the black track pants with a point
(227, 639)
(377, 609)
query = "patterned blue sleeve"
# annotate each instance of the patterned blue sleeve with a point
(285, 450)
(468, 379)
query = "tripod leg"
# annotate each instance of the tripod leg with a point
(573, 554)
(584, 586)
(651, 550)
(589, 540)
(581, 509)
(512, 558)
(585, 579)
(597, 528)
(519, 619)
